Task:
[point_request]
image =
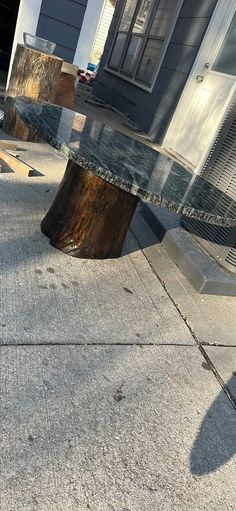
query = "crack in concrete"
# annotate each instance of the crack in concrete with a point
(199, 344)
(218, 377)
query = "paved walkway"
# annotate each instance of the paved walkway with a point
(107, 402)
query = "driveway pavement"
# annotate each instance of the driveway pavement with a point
(110, 400)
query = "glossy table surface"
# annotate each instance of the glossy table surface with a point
(126, 162)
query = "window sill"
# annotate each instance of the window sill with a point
(129, 80)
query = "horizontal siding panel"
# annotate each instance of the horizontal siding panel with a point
(58, 32)
(60, 21)
(197, 9)
(102, 32)
(81, 2)
(65, 53)
(170, 80)
(133, 94)
(189, 31)
(67, 11)
(180, 57)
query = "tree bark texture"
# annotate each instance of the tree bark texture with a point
(89, 218)
(34, 74)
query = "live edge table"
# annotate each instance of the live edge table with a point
(107, 173)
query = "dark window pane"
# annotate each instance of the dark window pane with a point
(132, 55)
(142, 17)
(161, 24)
(225, 61)
(149, 60)
(163, 18)
(127, 16)
(117, 51)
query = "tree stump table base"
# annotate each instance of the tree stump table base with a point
(89, 217)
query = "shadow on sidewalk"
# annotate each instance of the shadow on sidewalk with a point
(215, 443)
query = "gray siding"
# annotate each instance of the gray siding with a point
(156, 109)
(60, 21)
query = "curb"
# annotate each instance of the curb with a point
(205, 275)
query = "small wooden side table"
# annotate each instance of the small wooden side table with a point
(65, 92)
(34, 75)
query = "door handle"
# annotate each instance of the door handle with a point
(199, 78)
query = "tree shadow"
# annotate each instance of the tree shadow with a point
(215, 443)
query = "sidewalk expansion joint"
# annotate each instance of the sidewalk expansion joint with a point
(217, 345)
(103, 344)
(198, 343)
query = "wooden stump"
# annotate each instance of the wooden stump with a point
(34, 75)
(89, 218)
(65, 92)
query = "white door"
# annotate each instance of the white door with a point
(208, 91)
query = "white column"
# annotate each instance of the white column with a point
(27, 21)
(88, 32)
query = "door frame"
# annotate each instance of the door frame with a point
(220, 19)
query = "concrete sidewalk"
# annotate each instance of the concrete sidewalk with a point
(107, 401)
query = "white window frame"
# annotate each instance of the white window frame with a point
(134, 81)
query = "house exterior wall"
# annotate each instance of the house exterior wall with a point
(60, 21)
(152, 111)
(102, 31)
(72, 24)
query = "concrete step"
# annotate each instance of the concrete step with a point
(202, 271)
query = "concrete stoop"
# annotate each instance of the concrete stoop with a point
(206, 276)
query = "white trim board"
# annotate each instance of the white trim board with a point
(87, 34)
(27, 21)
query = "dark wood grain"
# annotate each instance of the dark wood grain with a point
(89, 218)
(34, 75)
(65, 92)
